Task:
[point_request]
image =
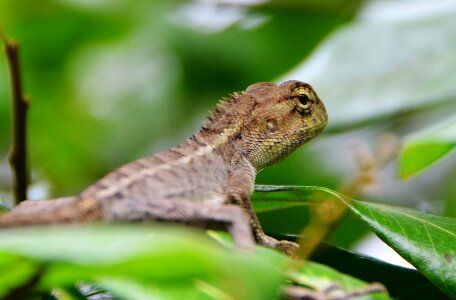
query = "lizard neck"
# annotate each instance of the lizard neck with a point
(223, 128)
(228, 117)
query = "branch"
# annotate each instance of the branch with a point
(326, 214)
(18, 152)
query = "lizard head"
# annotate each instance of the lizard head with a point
(283, 117)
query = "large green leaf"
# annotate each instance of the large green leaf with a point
(177, 261)
(426, 241)
(426, 147)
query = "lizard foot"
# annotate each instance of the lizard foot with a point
(288, 248)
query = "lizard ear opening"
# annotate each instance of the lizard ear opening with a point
(271, 125)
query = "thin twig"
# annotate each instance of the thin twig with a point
(18, 151)
(328, 213)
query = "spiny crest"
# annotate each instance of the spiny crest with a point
(226, 103)
(225, 113)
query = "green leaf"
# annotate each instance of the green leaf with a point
(320, 278)
(265, 206)
(426, 147)
(426, 241)
(401, 283)
(127, 289)
(290, 205)
(264, 202)
(19, 272)
(177, 262)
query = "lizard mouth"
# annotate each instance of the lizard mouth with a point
(316, 121)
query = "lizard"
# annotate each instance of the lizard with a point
(208, 179)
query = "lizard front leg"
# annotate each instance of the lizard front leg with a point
(289, 248)
(240, 187)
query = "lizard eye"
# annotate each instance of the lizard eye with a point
(303, 102)
(303, 99)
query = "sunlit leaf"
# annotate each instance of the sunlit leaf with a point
(426, 147)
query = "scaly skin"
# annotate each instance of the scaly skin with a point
(208, 179)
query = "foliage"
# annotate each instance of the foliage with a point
(140, 262)
(427, 241)
(425, 148)
(110, 81)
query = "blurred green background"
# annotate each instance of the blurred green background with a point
(111, 81)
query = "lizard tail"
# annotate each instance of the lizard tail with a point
(59, 211)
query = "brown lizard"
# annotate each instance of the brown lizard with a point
(208, 179)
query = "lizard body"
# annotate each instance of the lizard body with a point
(208, 179)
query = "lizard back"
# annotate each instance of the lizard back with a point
(192, 171)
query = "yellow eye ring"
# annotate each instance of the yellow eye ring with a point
(304, 101)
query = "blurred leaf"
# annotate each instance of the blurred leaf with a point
(378, 67)
(426, 147)
(3, 208)
(321, 278)
(256, 42)
(18, 272)
(71, 293)
(450, 195)
(141, 256)
(426, 241)
(128, 289)
(348, 232)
